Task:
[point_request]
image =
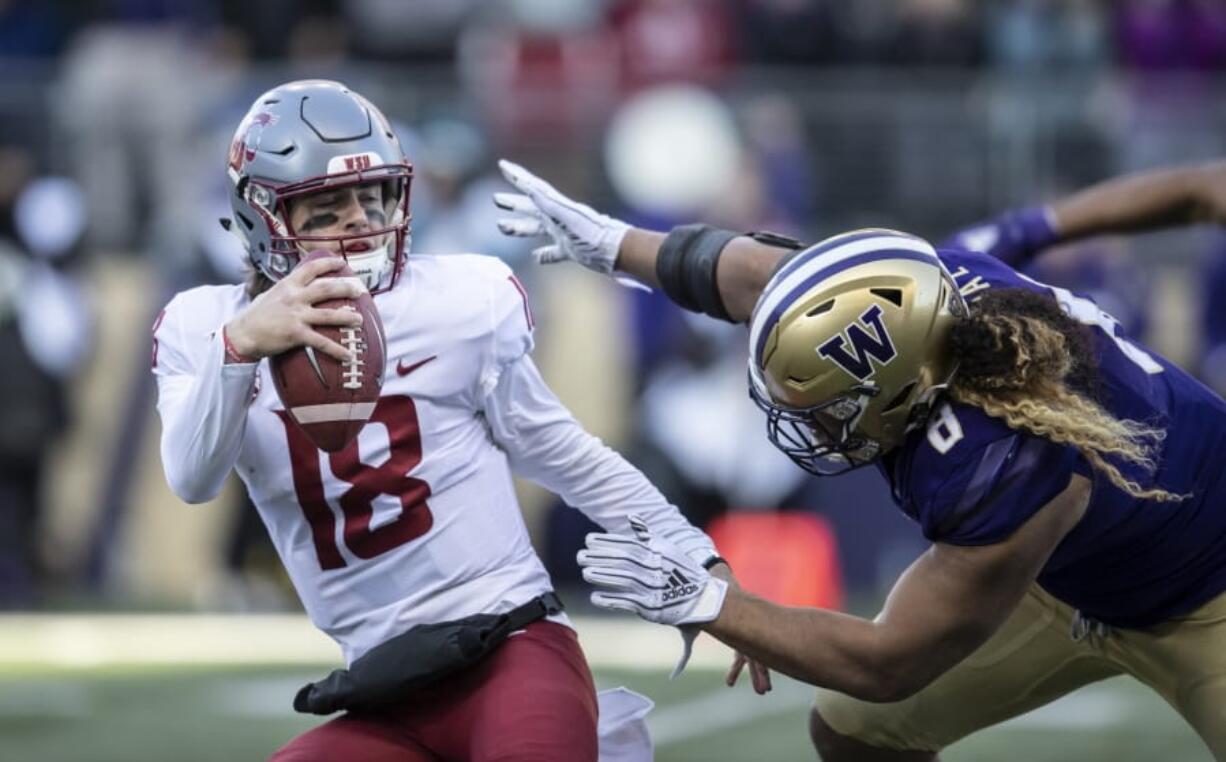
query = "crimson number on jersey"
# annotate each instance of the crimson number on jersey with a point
(398, 414)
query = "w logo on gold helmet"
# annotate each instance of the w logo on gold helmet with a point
(864, 347)
(848, 346)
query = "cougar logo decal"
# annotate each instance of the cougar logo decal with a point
(244, 148)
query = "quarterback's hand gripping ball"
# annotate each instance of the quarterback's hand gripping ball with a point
(331, 400)
(579, 232)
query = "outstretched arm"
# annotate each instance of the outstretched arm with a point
(744, 267)
(604, 244)
(1127, 204)
(951, 600)
(1145, 201)
(947, 604)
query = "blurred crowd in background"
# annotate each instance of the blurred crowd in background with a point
(805, 117)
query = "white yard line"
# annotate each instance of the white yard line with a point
(73, 641)
(86, 641)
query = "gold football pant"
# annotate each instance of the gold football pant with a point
(1042, 652)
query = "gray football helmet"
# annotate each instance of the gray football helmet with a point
(313, 135)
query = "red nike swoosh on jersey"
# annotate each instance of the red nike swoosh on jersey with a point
(405, 370)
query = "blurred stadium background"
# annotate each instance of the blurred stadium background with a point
(141, 628)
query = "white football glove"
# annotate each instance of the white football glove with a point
(579, 232)
(650, 576)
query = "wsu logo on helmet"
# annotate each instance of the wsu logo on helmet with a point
(864, 347)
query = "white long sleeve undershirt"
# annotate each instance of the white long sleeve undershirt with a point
(204, 416)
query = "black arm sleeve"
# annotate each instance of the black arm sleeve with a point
(688, 260)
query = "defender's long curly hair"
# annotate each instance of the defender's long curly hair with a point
(1023, 360)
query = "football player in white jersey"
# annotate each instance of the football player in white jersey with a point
(416, 521)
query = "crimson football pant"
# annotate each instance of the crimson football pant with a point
(532, 700)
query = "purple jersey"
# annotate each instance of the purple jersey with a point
(968, 479)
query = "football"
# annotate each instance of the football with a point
(332, 400)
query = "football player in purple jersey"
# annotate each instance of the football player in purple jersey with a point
(1070, 480)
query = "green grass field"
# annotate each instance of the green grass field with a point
(145, 714)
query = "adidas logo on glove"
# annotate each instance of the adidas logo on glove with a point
(679, 586)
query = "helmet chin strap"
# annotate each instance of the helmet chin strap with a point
(372, 266)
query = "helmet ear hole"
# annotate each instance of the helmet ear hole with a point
(892, 295)
(819, 309)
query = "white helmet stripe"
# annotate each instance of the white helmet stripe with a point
(822, 261)
(826, 244)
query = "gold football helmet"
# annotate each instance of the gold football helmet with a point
(847, 346)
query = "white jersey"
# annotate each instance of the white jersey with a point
(416, 522)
